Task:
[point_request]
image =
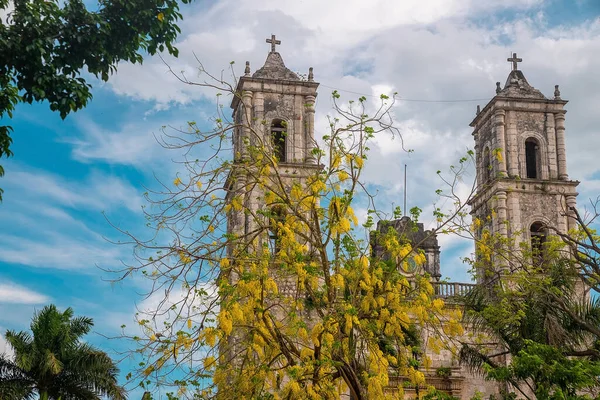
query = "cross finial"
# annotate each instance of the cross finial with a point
(514, 61)
(274, 42)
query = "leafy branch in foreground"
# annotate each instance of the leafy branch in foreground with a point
(47, 45)
(265, 283)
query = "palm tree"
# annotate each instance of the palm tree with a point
(52, 363)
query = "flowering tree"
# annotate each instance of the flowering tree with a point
(295, 305)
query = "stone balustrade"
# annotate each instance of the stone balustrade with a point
(451, 289)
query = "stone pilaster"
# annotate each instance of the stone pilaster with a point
(512, 158)
(478, 157)
(561, 205)
(500, 141)
(309, 141)
(246, 122)
(512, 135)
(551, 150)
(258, 101)
(514, 214)
(501, 214)
(560, 146)
(571, 204)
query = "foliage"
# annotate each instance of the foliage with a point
(443, 372)
(52, 363)
(268, 288)
(434, 394)
(556, 376)
(47, 45)
(530, 308)
(584, 243)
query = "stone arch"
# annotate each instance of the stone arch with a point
(279, 138)
(534, 154)
(538, 236)
(541, 220)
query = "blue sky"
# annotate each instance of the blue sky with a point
(69, 178)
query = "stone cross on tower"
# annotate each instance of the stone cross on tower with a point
(514, 61)
(274, 42)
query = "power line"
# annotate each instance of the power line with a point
(412, 100)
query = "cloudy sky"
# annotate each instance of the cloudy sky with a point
(443, 58)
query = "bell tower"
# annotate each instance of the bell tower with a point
(274, 114)
(522, 181)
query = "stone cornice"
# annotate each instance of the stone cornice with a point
(279, 86)
(518, 104)
(511, 185)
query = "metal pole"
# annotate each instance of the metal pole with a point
(404, 209)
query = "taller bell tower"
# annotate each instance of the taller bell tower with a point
(522, 180)
(274, 114)
(273, 162)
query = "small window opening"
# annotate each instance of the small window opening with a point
(538, 239)
(274, 240)
(531, 158)
(278, 137)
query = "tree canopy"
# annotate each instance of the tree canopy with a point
(533, 304)
(296, 306)
(52, 362)
(47, 46)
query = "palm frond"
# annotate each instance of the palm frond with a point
(97, 368)
(81, 326)
(15, 384)
(473, 359)
(54, 360)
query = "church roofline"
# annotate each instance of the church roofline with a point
(266, 86)
(273, 72)
(516, 90)
(498, 98)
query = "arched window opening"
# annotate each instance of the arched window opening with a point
(279, 139)
(538, 235)
(487, 165)
(532, 158)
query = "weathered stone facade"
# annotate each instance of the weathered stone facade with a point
(520, 165)
(421, 239)
(521, 160)
(272, 95)
(521, 180)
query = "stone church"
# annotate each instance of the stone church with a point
(521, 171)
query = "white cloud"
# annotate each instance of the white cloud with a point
(142, 142)
(16, 294)
(161, 305)
(99, 191)
(131, 145)
(424, 50)
(49, 224)
(60, 252)
(236, 31)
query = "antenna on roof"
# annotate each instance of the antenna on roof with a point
(404, 209)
